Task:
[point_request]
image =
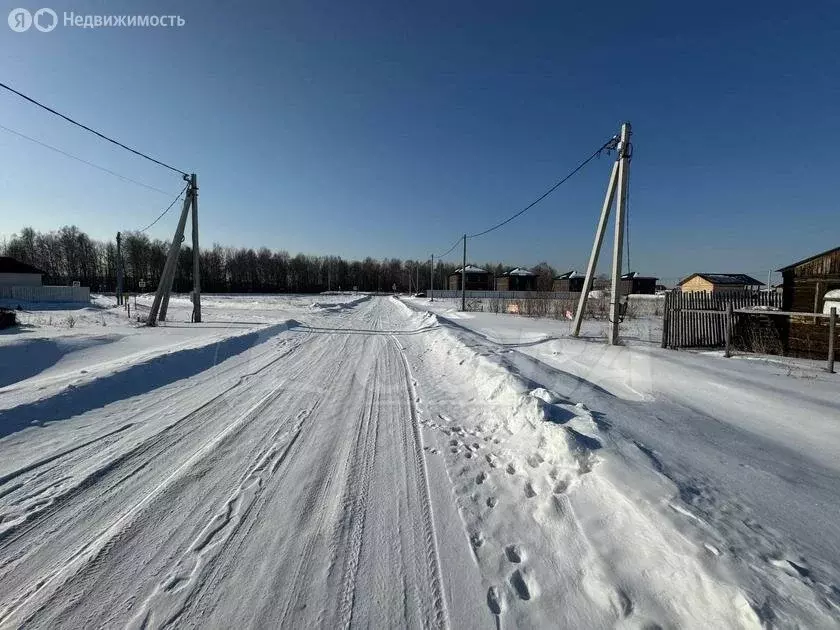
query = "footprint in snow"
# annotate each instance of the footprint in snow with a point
(492, 460)
(495, 600)
(477, 539)
(511, 469)
(479, 479)
(523, 583)
(491, 502)
(530, 492)
(535, 459)
(514, 554)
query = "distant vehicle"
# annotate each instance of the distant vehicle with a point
(420, 294)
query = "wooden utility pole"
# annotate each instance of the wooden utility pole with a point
(164, 288)
(624, 153)
(727, 331)
(464, 278)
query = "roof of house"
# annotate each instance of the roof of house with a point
(568, 274)
(519, 271)
(12, 265)
(809, 259)
(635, 274)
(471, 269)
(725, 278)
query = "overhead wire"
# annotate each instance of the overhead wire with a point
(168, 208)
(86, 128)
(454, 245)
(84, 161)
(607, 145)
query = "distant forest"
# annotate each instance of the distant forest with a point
(69, 255)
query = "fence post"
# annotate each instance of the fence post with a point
(728, 331)
(665, 321)
(832, 325)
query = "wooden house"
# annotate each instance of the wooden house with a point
(717, 283)
(571, 281)
(478, 279)
(634, 284)
(518, 279)
(805, 285)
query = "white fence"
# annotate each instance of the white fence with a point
(45, 294)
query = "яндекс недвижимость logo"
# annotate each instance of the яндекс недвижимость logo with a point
(21, 20)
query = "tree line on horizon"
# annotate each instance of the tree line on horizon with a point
(68, 254)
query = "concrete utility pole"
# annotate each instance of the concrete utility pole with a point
(464, 278)
(596, 249)
(619, 180)
(196, 252)
(432, 280)
(119, 270)
(164, 288)
(624, 153)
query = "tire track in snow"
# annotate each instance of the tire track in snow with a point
(13, 610)
(147, 450)
(432, 553)
(186, 422)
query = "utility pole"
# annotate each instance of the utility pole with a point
(119, 270)
(164, 288)
(596, 249)
(624, 154)
(464, 278)
(616, 188)
(196, 254)
(432, 280)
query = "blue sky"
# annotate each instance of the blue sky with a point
(389, 128)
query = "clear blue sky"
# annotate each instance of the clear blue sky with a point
(388, 128)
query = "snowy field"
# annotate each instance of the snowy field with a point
(338, 460)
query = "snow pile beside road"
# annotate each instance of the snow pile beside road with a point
(556, 540)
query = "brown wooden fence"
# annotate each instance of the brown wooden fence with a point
(696, 320)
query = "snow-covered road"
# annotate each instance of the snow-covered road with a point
(362, 466)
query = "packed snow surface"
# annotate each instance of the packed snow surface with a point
(340, 460)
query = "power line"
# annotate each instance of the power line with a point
(607, 145)
(83, 161)
(86, 128)
(454, 245)
(168, 208)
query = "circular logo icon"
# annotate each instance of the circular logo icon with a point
(45, 20)
(20, 20)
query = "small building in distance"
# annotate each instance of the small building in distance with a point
(478, 279)
(719, 283)
(634, 284)
(569, 282)
(518, 279)
(14, 273)
(805, 283)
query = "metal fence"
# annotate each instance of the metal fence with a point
(45, 294)
(509, 295)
